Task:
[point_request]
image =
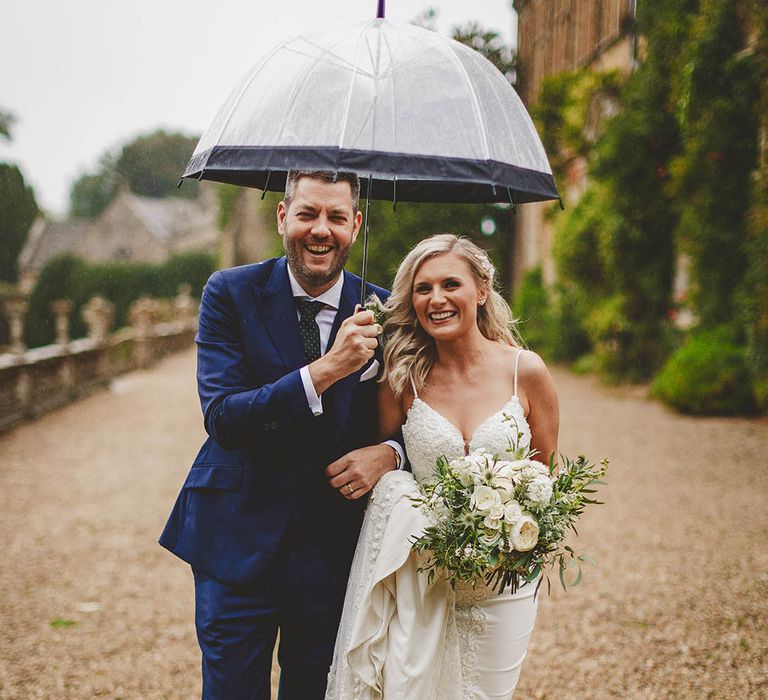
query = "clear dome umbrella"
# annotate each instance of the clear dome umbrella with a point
(420, 117)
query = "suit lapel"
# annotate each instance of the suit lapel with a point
(278, 311)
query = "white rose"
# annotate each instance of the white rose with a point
(492, 523)
(512, 512)
(496, 512)
(540, 491)
(490, 538)
(524, 534)
(483, 499)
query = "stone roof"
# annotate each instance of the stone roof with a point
(170, 218)
(48, 238)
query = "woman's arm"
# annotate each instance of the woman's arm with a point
(391, 413)
(538, 390)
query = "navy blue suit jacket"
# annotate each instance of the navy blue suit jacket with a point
(264, 460)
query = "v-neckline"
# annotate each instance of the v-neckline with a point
(466, 443)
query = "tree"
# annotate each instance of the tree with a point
(18, 210)
(6, 122)
(153, 164)
(91, 193)
(490, 44)
(150, 165)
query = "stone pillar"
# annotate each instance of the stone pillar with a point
(61, 309)
(98, 315)
(143, 314)
(15, 309)
(185, 306)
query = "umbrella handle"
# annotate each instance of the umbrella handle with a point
(380, 10)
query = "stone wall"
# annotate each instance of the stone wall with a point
(35, 381)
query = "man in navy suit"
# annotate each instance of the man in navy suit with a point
(269, 515)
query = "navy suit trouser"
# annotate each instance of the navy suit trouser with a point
(301, 593)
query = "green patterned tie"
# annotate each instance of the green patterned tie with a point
(308, 328)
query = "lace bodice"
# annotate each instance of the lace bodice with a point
(429, 435)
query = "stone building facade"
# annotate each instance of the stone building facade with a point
(556, 36)
(131, 229)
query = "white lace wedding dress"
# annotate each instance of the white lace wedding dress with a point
(401, 638)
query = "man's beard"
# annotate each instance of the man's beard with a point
(310, 278)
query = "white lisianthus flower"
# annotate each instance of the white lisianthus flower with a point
(541, 468)
(484, 498)
(492, 523)
(524, 534)
(539, 491)
(462, 467)
(530, 468)
(512, 512)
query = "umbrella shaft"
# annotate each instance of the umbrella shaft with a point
(364, 274)
(380, 9)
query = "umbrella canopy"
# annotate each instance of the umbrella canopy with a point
(418, 116)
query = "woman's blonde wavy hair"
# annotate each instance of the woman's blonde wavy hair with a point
(409, 351)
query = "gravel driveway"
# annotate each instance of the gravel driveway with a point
(677, 606)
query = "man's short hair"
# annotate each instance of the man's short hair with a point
(324, 176)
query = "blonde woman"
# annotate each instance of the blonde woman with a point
(453, 368)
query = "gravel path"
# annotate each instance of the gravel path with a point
(677, 606)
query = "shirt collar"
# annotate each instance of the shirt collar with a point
(331, 297)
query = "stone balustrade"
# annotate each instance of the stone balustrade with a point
(36, 380)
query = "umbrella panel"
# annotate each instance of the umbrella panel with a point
(428, 118)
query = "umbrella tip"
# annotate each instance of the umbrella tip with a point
(380, 10)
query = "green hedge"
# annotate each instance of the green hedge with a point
(707, 376)
(68, 277)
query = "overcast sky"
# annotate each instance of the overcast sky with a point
(83, 76)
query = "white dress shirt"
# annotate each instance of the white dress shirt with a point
(325, 318)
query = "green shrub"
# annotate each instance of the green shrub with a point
(707, 376)
(68, 277)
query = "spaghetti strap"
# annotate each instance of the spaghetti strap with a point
(413, 386)
(517, 359)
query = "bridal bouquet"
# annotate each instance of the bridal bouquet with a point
(504, 518)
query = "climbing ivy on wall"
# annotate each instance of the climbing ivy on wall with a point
(712, 175)
(674, 171)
